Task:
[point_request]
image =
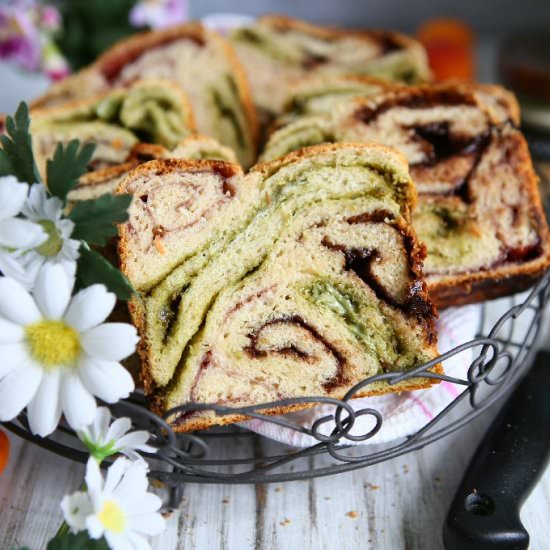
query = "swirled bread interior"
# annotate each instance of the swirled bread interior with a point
(479, 210)
(154, 111)
(302, 277)
(277, 51)
(199, 61)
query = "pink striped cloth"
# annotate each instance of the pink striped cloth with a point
(403, 413)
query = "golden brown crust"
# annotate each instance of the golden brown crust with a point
(285, 22)
(113, 60)
(76, 104)
(194, 424)
(158, 167)
(503, 280)
(396, 156)
(245, 93)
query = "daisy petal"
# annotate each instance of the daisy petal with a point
(77, 403)
(115, 473)
(100, 425)
(16, 304)
(134, 439)
(52, 291)
(138, 542)
(111, 341)
(94, 527)
(147, 504)
(133, 483)
(13, 195)
(90, 307)
(11, 267)
(76, 508)
(18, 233)
(107, 380)
(10, 332)
(13, 357)
(148, 524)
(45, 408)
(94, 482)
(118, 428)
(17, 389)
(118, 542)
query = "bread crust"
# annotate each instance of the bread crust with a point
(195, 424)
(75, 104)
(129, 49)
(286, 22)
(156, 395)
(135, 307)
(501, 281)
(396, 156)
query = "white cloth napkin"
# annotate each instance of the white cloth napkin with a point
(404, 413)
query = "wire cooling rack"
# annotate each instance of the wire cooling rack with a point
(500, 353)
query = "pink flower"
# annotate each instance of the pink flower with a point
(19, 38)
(159, 13)
(26, 29)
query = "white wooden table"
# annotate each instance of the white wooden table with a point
(400, 504)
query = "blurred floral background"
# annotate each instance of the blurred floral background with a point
(62, 35)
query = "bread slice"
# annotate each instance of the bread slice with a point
(300, 278)
(199, 61)
(319, 94)
(277, 51)
(106, 180)
(479, 211)
(153, 111)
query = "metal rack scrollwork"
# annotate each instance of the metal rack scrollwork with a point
(500, 355)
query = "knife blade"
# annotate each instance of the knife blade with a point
(506, 466)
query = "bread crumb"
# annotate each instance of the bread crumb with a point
(371, 486)
(225, 500)
(352, 514)
(285, 522)
(278, 489)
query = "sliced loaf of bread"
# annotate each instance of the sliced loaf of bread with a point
(302, 277)
(479, 211)
(197, 60)
(276, 51)
(106, 180)
(151, 111)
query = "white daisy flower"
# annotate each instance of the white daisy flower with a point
(119, 508)
(104, 440)
(59, 248)
(16, 235)
(57, 354)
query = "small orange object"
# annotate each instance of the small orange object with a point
(449, 45)
(4, 451)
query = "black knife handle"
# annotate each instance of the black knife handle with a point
(505, 467)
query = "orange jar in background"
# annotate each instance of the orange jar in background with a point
(449, 44)
(4, 451)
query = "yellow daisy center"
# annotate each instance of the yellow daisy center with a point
(112, 517)
(53, 343)
(54, 242)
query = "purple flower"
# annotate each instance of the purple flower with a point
(159, 13)
(26, 28)
(19, 38)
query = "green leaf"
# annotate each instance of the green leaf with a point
(95, 219)
(16, 156)
(93, 268)
(67, 165)
(80, 541)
